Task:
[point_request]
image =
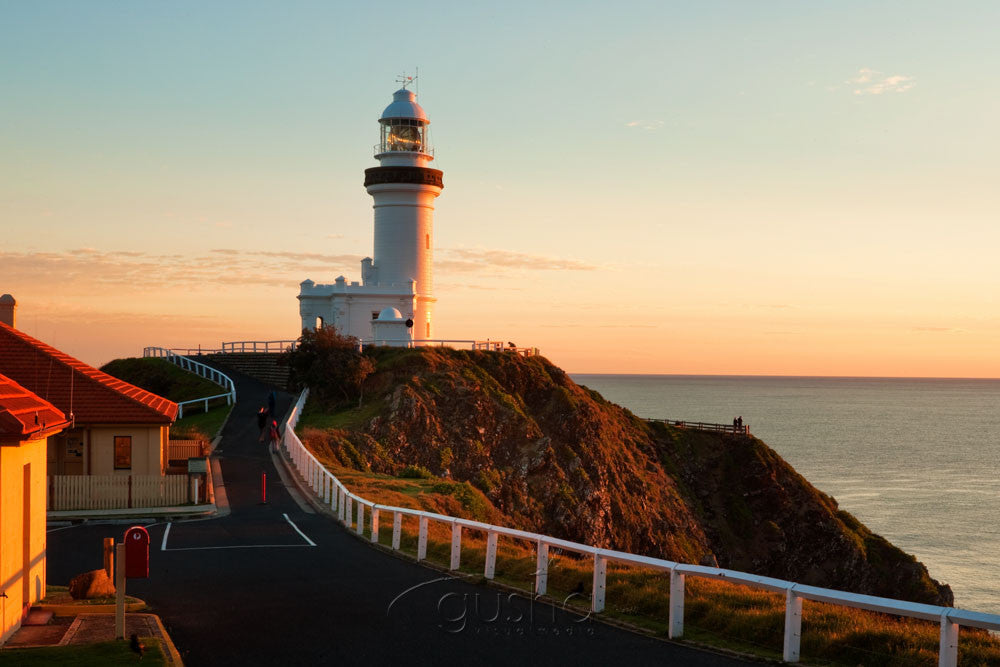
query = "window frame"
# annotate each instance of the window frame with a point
(122, 440)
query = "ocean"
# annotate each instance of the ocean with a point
(916, 460)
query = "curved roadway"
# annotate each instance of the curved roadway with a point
(248, 588)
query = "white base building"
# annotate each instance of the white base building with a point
(400, 276)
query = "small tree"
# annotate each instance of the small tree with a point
(331, 365)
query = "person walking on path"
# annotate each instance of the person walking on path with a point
(272, 399)
(273, 436)
(262, 419)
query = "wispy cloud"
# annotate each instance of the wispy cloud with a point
(645, 124)
(82, 270)
(939, 330)
(473, 260)
(872, 82)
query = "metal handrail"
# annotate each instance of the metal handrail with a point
(331, 491)
(198, 368)
(382, 149)
(705, 426)
(489, 345)
(258, 346)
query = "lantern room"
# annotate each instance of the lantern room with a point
(404, 128)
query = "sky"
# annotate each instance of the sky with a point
(767, 188)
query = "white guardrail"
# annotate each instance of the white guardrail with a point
(332, 492)
(198, 368)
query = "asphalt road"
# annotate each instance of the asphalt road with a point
(250, 589)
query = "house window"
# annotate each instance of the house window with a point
(123, 452)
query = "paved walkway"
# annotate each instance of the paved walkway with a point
(273, 584)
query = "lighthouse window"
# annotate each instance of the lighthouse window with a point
(403, 135)
(427, 241)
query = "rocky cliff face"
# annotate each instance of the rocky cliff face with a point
(555, 457)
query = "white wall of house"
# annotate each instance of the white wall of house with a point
(149, 444)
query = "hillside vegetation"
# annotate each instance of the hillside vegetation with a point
(162, 378)
(166, 380)
(521, 444)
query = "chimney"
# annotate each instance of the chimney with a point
(8, 310)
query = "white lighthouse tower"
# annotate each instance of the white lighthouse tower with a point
(401, 274)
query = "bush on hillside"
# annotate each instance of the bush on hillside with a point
(331, 365)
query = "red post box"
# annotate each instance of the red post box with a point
(137, 553)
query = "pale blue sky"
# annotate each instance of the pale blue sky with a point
(775, 169)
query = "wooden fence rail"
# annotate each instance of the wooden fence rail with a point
(96, 492)
(182, 450)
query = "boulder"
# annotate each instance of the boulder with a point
(90, 585)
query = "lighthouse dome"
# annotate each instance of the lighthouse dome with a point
(390, 315)
(404, 105)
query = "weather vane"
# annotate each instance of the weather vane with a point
(407, 80)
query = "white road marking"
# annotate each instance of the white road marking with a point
(53, 530)
(311, 543)
(166, 533)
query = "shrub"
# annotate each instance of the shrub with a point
(415, 472)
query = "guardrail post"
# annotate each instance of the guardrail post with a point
(327, 489)
(397, 529)
(542, 569)
(360, 528)
(600, 582)
(342, 504)
(676, 621)
(491, 554)
(948, 649)
(180, 411)
(334, 495)
(793, 626)
(375, 525)
(422, 539)
(348, 515)
(456, 546)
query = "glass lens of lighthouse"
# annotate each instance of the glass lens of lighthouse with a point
(404, 138)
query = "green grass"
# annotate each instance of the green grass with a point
(162, 378)
(201, 425)
(85, 655)
(315, 416)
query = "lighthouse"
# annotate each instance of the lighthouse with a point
(395, 299)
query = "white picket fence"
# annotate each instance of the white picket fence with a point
(330, 491)
(99, 492)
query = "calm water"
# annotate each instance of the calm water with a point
(915, 460)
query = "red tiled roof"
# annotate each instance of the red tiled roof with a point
(93, 397)
(25, 416)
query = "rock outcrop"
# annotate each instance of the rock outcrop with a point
(91, 585)
(555, 457)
